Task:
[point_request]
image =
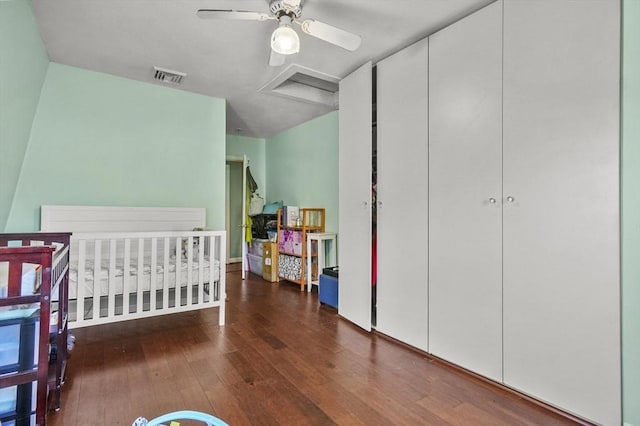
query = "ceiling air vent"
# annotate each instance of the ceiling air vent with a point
(168, 76)
(304, 85)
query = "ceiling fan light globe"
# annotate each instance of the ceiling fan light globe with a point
(285, 40)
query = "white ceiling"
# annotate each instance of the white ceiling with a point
(229, 59)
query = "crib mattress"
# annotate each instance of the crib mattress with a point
(118, 276)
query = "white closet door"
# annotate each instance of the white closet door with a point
(465, 277)
(354, 238)
(561, 231)
(402, 195)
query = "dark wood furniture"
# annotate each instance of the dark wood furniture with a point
(51, 252)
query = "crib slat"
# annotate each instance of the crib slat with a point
(111, 301)
(140, 272)
(212, 260)
(97, 268)
(177, 301)
(126, 270)
(201, 247)
(15, 282)
(80, 281)
(165, 278)
(152, 283)
(189, 271)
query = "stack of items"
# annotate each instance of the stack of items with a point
(290, 241)
(291, 216)
(290, 267)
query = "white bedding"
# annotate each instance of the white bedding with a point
(117, 275)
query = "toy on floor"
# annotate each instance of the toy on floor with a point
(208, 419)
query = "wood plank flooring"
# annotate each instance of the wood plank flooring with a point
(282, 359)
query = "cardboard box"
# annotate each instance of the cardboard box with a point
(270, 262)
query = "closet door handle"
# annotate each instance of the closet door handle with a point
(492, 200)
(510, 199)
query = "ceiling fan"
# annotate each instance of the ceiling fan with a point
(285, 40)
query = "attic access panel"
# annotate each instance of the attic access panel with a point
(305, 85)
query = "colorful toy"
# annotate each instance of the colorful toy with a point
(208, 419)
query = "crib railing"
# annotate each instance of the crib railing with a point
(128, 275)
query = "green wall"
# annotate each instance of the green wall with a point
(104, 140)
(254, 149)
(23, 65)
(630, 165)
(303, 166)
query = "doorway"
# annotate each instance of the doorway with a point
(234, 211)
(235, 208)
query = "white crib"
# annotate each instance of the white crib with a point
(149, 262)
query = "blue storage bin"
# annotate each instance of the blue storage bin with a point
(328, 290)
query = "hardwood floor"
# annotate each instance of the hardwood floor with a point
(282, 359)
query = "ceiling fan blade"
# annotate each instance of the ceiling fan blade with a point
(237, 15)
(276, 59)
(331, 34)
